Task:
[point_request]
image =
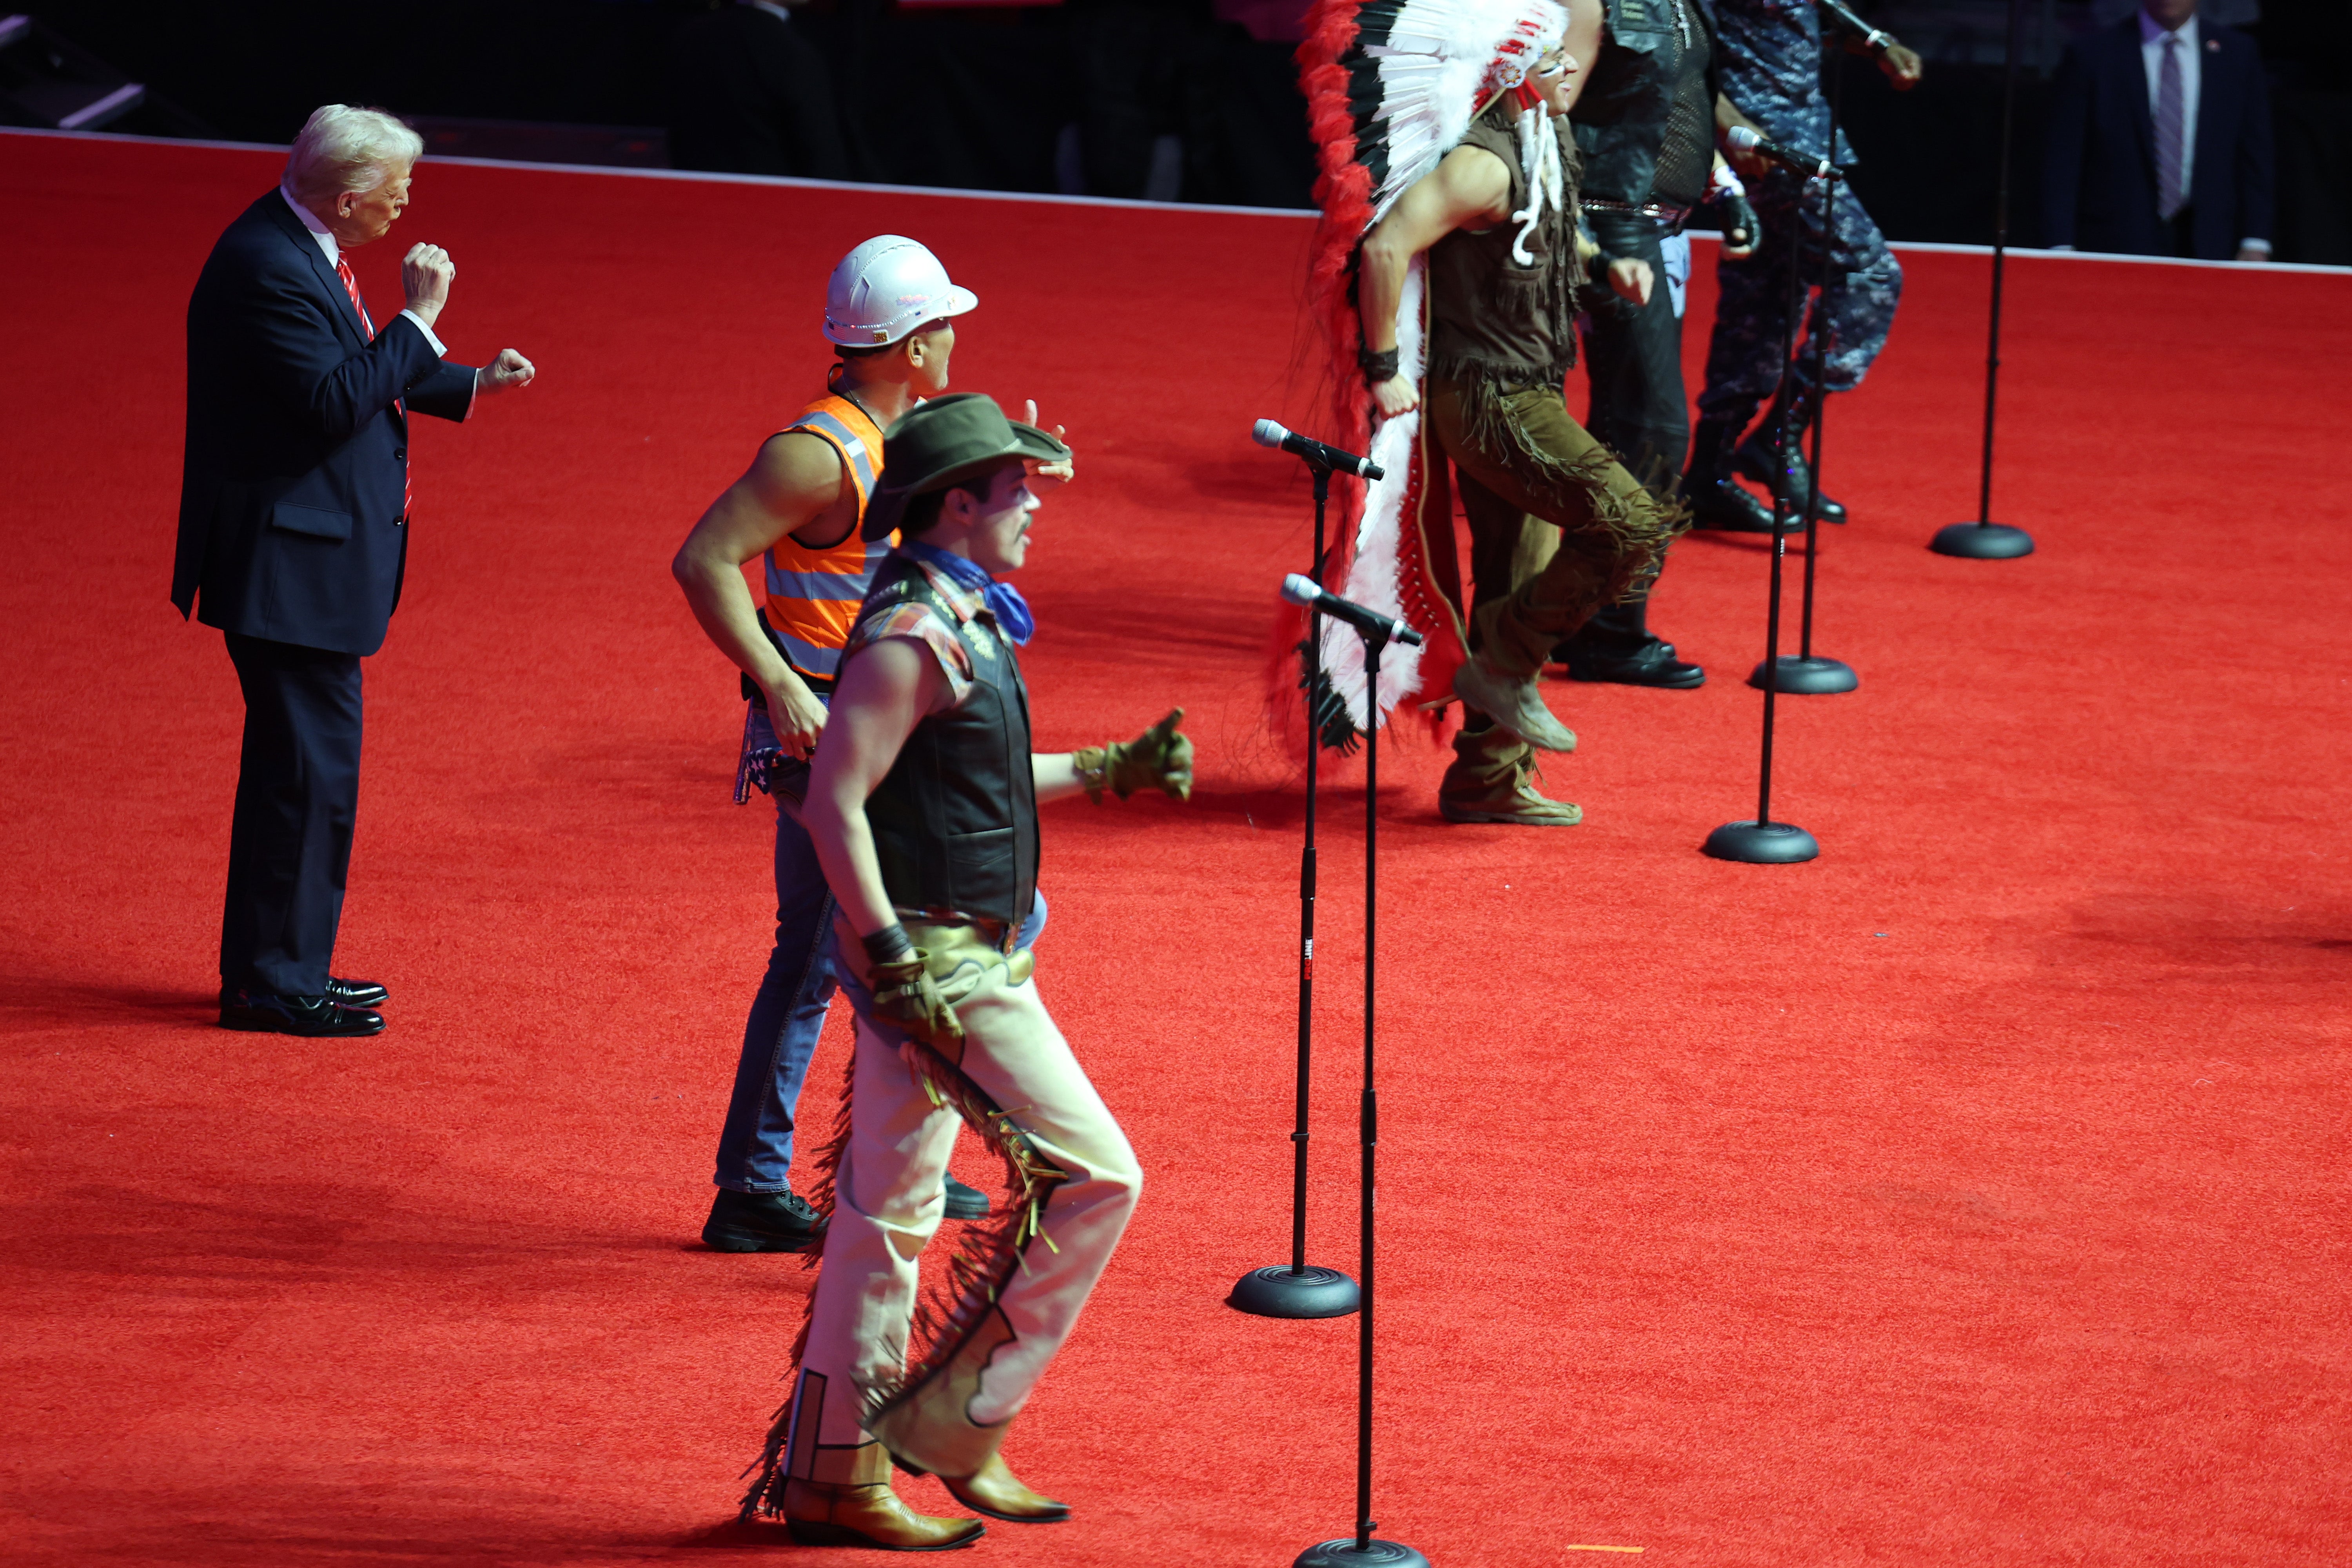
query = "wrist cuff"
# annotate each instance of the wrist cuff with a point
(1092, 764)
(1378, 366)
(891, 944)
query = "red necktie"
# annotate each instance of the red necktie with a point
(351, 287)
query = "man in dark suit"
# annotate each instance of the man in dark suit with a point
(294, 511)
(2160, 141)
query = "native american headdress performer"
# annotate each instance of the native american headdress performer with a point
(1391, 87)
(1448, 275)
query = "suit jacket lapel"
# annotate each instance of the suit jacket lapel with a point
(329, 283)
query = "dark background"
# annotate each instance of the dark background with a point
(997, 98)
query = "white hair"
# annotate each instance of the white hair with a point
(345, 149)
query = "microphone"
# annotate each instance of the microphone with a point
(1267, 433)
(1872, 38)
(1301, 590)
(1743, 139)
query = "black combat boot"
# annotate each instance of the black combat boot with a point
(1759, 458)
(1716, 500)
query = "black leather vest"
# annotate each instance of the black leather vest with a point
(955, 820)
(1646, 123)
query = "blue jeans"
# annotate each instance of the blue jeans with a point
(755, 1146)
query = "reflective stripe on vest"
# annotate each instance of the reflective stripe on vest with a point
(814, 595)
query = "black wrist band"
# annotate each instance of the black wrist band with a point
(1377, 366)
(889, 945)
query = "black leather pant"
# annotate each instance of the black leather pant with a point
(1633, 359)
(1634, 362)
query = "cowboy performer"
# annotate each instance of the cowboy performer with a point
(922, 806)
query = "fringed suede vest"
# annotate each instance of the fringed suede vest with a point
(955, 820)
(1491, 318)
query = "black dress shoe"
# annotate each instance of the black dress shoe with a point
(1651, 664)
(966, 1203)
(356, 993)
(760, 1221)
(314, 1018)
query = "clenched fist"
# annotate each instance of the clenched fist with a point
(426, 273)
(509, 369)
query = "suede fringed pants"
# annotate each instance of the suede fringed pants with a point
(1523, 463)
(1019, 1290)
(1528, 457)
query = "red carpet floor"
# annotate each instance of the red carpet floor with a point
(1975, 1195)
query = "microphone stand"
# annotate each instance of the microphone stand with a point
(1361, 1550)
(1303, 1290)
(1985, 540)
(1807, 674)
(1764, 842)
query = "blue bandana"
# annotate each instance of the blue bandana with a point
(1003, 600)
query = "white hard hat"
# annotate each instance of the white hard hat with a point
(886, 288)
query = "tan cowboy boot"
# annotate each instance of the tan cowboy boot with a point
(997, 1493)
(868, 1513)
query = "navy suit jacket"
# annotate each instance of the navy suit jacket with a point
(2098, 185)
(291, 489)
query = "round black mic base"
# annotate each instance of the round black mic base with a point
(1274, 1291)
(1814, 677)
(1762, 843)
(1342, 1554)
(1983, 541)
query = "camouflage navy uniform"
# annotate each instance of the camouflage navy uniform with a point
(1771, 68)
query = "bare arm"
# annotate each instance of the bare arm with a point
(1055, 776)
(884, 689)
(1468, 187)
(792, 486)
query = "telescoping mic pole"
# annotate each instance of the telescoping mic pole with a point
(1807, 674)
(1763, 841)
(1302, 1290)
(1363, 1550)
(1985, 540)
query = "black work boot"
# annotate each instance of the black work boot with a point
(1716, 500)
(760, 1221)
(1758, 457)
(1617, 646)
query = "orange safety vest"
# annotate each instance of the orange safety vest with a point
(814, 595)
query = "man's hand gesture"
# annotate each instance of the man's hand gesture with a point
(509, 369)
(426, 274)
(1161, 758)
(1060, 472)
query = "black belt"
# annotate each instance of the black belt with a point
(1672, 217)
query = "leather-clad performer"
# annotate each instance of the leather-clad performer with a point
(922, 805)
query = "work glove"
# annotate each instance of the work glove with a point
(904, 994)
(1158, 759)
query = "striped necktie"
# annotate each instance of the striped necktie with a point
(351, 287)
(2171, 166)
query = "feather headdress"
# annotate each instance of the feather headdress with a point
(1391, 87)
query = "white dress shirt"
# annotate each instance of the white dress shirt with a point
(2192, 74)
(334, 254)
